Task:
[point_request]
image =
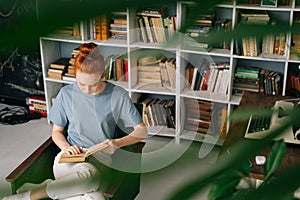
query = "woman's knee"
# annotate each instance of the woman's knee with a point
(90, 178)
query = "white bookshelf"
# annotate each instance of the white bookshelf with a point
(53, 47)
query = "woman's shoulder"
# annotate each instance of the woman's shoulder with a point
(67, 88)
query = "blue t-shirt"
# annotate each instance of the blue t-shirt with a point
(93, 118)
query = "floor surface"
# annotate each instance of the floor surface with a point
(158, 182)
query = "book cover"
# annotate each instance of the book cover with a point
(120, 69)
(65, 158)
(61, 63)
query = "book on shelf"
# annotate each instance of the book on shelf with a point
(158, 112)
(171, 71)
(250, 46)
(161, 71)
(255, 79)
(116, 68)
(58, 68)
(149, 75)
(120, 69)
(125, 60)
(189, 74)
(199, 30)
(149, 60)
(149, 68)
(205, 117)
(145, 113)
(155, 25)
(60, 63)
(164, 73)
(69, 30)
(65, 158)
(55, 75)
(293, 84)
(100, 27)
(222, 26)
(148, 29)
(153, 12)
(142, 30)
(69, 74)
(70, 78)
(198, 115)
(212, 77)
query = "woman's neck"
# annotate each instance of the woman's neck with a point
(101, 87)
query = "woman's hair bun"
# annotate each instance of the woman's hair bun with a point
(87, 50)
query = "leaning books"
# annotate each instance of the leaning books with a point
(65, 158)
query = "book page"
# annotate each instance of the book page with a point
(95, 148)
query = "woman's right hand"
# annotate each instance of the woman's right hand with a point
(72, 150)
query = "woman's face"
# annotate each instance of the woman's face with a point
(88, 83)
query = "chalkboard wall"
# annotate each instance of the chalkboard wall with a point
(20, 63)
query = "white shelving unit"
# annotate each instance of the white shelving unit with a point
(54, 47)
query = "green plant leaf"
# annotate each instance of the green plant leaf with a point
(275, 159)
(283, 187)
(225, 185)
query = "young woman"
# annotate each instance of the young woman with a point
(91, 109)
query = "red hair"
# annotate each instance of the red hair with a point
(89, 60)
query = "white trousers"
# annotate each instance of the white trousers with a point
(74, 181)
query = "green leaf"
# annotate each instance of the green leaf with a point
(283, 187)
(225, 185)
(275, 159)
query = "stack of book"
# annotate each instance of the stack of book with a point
(158, 112)
(270, 82)
(251, 45)
(118, 25)
(149, 72)
(212, 77)
(255, 79)
(157, 72)
(70, 75)
(205, 117)
(117, 68)
(168, 69)
(254, 17)
(155, 25)
(100, 26)
(246, 78)
(222, 26)
(198, 115)
(274, 44)
(71, 30)
(199, 31)
(58, 68)
(293, 84)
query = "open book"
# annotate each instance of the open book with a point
(82, 156)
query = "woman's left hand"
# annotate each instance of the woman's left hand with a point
(112, 146)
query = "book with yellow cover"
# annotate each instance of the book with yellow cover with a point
(65, 158)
